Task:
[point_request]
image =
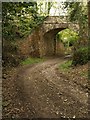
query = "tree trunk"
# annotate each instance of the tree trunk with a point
(89, 22)
(55, 46)
(89, 15)
(89, 43)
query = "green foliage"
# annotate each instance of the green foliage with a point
(11, 56)
(44, 7)
(78, 14)
(66, 65)
(19, 19)
(5, 103)
(49, 6)
(81, 56)
(31, 61)
(84, 74)
(77, 11)
(67, 36)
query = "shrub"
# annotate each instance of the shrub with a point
(31, 61)
(66, 65)
(11, 56)
(81, 56)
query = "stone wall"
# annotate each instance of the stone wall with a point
(60, 49)
(29, 46)
(42, 40)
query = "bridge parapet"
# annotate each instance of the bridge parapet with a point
(55, 20)
(49, 27)
(73, 26)
(42, 40)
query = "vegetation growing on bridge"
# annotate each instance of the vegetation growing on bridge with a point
(78, 13)
(19, 19)
(56, 88)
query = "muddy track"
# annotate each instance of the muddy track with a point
(46, 94)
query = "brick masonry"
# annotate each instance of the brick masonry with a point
(42, 41)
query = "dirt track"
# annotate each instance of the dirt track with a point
(46, 94)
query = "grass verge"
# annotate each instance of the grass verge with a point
(32, 61)
(84, 74)
(65, 66)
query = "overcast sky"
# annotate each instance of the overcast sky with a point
(56, 9)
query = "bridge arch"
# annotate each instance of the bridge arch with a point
(50, 41)
(42, 40)
(47, 34)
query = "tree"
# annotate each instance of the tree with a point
(89, 35)
(89, 12)
(78, 13)
(44, 7)
(19, 19)
(49, 6)
(89, 17)
(67, 37)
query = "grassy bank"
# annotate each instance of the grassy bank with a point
(32, 61)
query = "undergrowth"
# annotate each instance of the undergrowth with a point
(32, 61)
(84, 74)
(66, 65)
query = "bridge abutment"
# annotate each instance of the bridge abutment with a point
(42, 41)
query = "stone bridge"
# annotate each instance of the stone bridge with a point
(50, 27)
(42, 41)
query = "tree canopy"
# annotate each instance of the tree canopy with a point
(19, 19)
(77, 12)
(68, 37)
